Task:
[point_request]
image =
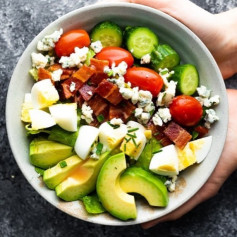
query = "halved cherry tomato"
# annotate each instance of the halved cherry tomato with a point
(186, 110)
(145, 79)
(115, 55)
(68, 41)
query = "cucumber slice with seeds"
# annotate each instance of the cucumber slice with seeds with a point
(140, 41)
(187, 77)
(109, 33)
(164, 57)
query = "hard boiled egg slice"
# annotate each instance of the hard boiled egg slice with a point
(111, 137)
(133, 144)
(40, 119)
(65, 116)
(132, 124)
(26, 107)
(87, 136)
(43, 94)
(165, 162)
(202, 147)
(194, 152)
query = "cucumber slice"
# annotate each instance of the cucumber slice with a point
(140, 41)
(109, 33)
(164, 57)
(187, 77)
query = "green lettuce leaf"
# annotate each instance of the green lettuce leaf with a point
(92, 204)
(58, 134)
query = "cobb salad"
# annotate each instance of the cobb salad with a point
(114, 112)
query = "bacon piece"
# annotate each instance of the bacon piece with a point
(87, 92)
(95, 123)
(124, 110)
(115, 112)
(43, 74)
(66, 92)
(110, 92)
(158, 133)
(202, 131)
(97, 78)
(177, 134)
(99, 64)
(78, 99)
(55, 67)
(128, 109)
(99, 106)
(84, 73)
(67, 72)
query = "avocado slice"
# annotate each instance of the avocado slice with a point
(45, 153)
(82, 181)
(117, 202)
(138, 180)
(55, 175)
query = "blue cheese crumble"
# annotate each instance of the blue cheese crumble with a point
(48, 42)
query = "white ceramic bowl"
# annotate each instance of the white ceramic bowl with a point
(191, 50)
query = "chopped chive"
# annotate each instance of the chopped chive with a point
(100, 118)
(157, 133)
(113, 126)
(127, 140)
(157, 151)
(63, 164)
(133, 140)
(124, 147)
(151, 112)
(99, 148)
(89, 83)
(132, 135)
(133, 130)
(39, 171)
(110, 73)
(194, 135)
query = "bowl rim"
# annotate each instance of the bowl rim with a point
(77, 12)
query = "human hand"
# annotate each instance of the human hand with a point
(218, 32)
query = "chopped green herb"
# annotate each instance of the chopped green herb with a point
(157, 151)
(133, 130)
(100, 118)
(157, 133)
(63, 164)
(39, 171)
(133, 140)
(89, 83)
(110, 74)
(127, 139)
(113, 126)
(124, 147)
(164, 95)
(151, 112)
(132, 135)
(99, 148)
(194, 135)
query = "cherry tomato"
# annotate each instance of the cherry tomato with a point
(145, 79)
(68, 41)
(186, 110)
(115, 55)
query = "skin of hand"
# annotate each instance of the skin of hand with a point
(217, 31)
(225, 167)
